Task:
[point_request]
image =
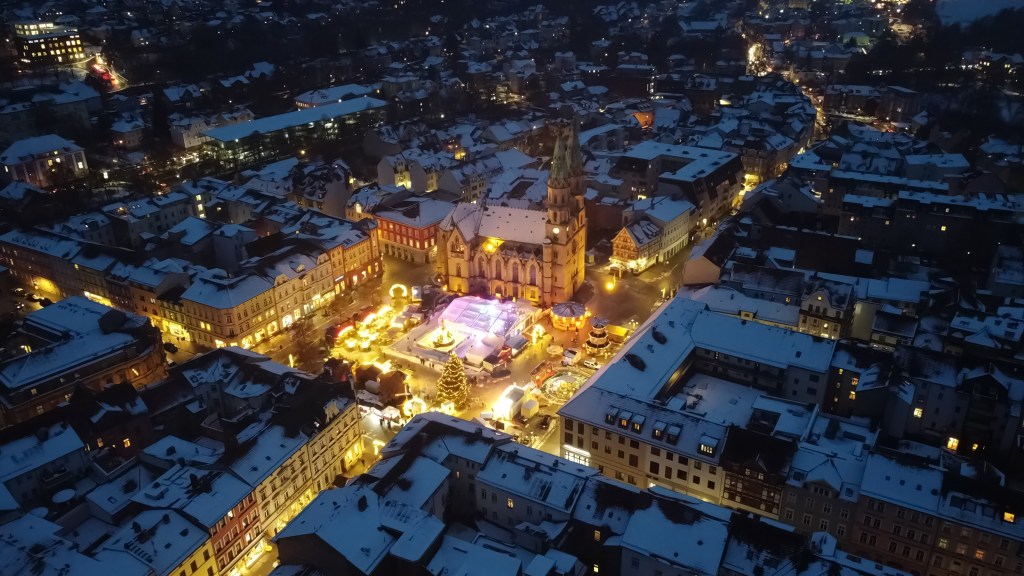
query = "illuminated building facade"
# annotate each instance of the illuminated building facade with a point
(409, 227)
(247, 143)
(517, 252)
(43, 161)
(46, 44)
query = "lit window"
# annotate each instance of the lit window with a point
(597, 535)
(943, 228)
(511, 504)
(918, 412)
(953, 443)
(127, 442)
(853, 395)
(1009, 517)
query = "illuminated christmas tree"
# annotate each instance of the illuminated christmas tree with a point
(453, 386)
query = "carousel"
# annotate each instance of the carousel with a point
(568, 316)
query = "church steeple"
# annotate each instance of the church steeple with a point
(560, 164)
(561, 177)
(573, 153)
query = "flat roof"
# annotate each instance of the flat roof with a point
(271, 124)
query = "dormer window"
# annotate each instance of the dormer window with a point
(672, 434)
(624, 419)
(609, 417)
(708, 445)
(638, 424)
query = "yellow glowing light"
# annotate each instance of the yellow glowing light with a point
(414, 406)
(502, 408)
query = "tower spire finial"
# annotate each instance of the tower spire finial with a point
(560, 169)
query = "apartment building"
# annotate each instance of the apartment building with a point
(408, 228)
(162, 542)
(43, 43)
(353, 247)
(529, 512)
(76, 343)
(826, 309)
(36, 464)
(137, 221)
(218, 502)
(44, 161)
(226, 311)
(666, 409)
(709, 179)
(654, 230)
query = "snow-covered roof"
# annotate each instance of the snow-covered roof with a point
(166, 540)
(31, 545)
(330, 94)
(411, 482)
(113, 496)
(174, 489)
(914, 487)
(226, 293)
(539, 477)
(27, 453)
(733, 302)
(643, 231)
(272, 124)
(24, 150)
(267, 453)
(74, 327)
(663, 208)
(769, 345)
(416, 212)
(680, 531)
(364, 527)
(171, 449)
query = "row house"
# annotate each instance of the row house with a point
(826, 308)
(217, 501)
(970, 406)
(353, 247)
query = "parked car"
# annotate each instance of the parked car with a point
(545, 422)
(591, 363)
(31, 297)
(18, 291)
(170, 347)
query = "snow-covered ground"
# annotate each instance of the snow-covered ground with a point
(967, 11)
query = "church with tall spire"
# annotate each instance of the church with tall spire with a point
(506, 249)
